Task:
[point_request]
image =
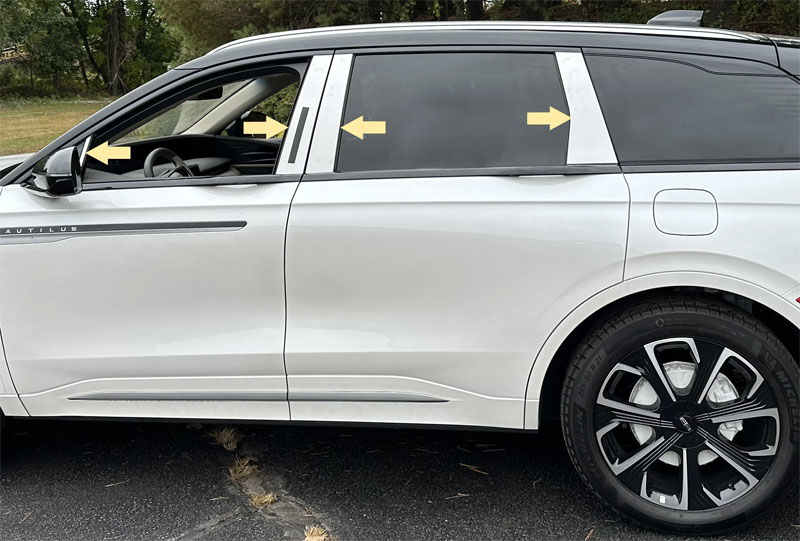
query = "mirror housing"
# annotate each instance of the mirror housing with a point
(60, 175)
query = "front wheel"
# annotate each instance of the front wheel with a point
(682, 414)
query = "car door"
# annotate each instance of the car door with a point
(456, 205)
(156, 297)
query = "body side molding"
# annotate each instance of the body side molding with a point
(193, 396)
(261, 396)
(361, 396)
(27, 234)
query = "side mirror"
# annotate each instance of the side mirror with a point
(58, 176)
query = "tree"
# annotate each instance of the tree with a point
(111, 44)
(115, 45)
(37, 28)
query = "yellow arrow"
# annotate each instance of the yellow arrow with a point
(269, 128)
(104, 153)
(554, 118)
(360, 127)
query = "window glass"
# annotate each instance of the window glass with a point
(183, 115)
(453, 110)
(278, 107)
(668, 112)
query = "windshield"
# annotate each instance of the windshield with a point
(182, 116)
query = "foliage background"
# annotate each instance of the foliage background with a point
(95, 48)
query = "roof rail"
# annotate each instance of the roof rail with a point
(679, 17)
(714, 33)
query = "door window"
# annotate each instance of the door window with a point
(228, 127)
(453, 110)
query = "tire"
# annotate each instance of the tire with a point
(682, 414)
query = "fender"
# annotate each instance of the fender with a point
(541, 363)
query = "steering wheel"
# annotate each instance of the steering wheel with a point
(164, 153)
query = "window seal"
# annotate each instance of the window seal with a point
(542, 170)
(190, 181)
(709, 167)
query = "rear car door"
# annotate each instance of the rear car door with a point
(157, 297)
(456, 205)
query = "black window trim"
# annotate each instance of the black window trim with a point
(297, 136)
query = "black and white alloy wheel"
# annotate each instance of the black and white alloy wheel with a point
(683, 415)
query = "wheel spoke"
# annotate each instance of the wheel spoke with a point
(706, 373)
(680, 500)
(747, 410)
(695, 494)
(609, 411)
(760, 404)
(632, 470)
(752, 465)
(653, 371)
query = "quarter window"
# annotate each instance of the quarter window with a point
(669, 112)
(453, 110)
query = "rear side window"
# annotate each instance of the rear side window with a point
(453, 110)
(666, 112)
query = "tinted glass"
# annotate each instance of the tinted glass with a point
(669, 112)
(453, 110)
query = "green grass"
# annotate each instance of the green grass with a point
(28, 126)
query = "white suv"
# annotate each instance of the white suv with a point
(487, 225)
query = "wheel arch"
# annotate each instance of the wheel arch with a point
(549, 368)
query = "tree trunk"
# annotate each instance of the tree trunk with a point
(85, 78)
(474, 10)
(83, 32)
(115, 44)
(142, 32)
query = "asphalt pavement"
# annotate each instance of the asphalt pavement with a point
(115, 480)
